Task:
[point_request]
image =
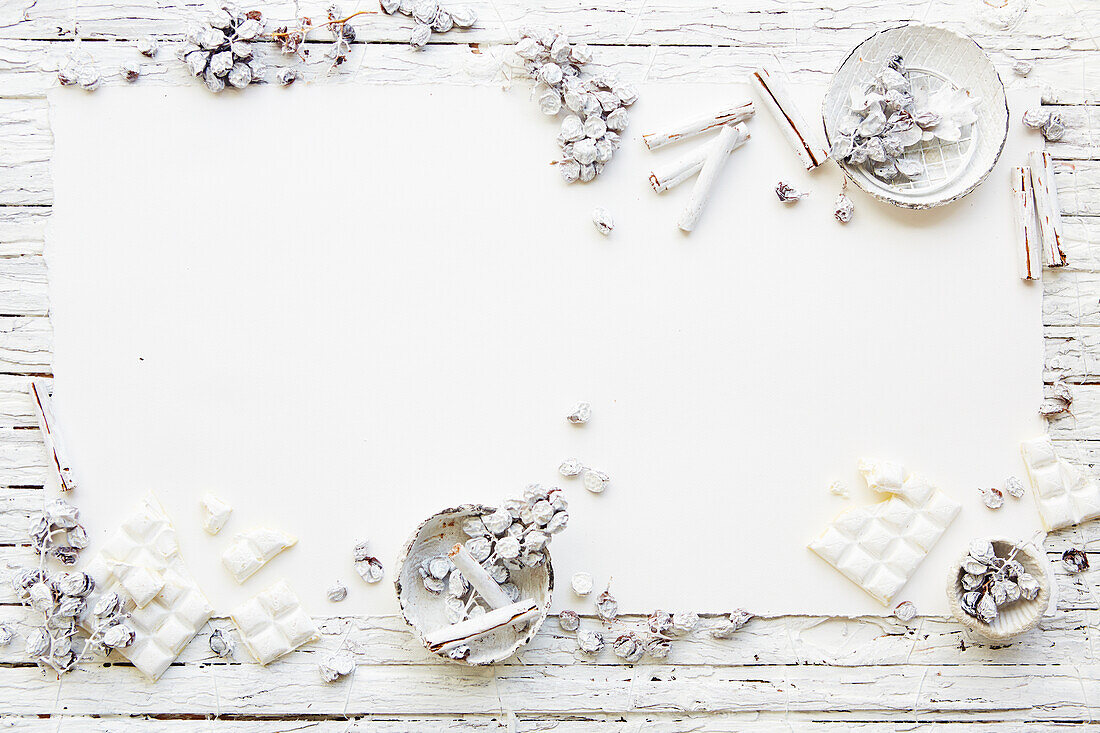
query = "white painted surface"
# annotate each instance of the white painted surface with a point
(404, 327)
(789, 672)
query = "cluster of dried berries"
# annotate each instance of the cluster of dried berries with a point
(994, 498)
(291, 40)
(595, 481)
(61, 598)
(79, 71)
(1075, 561)
(220, 50)
(1047, 122)
(788, 194)
(1056, 400)
(594, 105)
(889, 116)
(990, 582)
(109, 627)
(368, 567)
(430, 17)
(56, 532)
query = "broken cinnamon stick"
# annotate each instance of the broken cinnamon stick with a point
(478, 577)
(683, 169)
(43, 410)
(717, 153)
(806, 141)
(1046, 206)
(1028, 252)
(697, 125)
(464, 632)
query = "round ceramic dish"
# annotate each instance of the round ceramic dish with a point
(424, 611)
(1016, 618)
(934, 57)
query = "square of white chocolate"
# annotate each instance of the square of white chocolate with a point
(1064, 495)
(879, 547)
(273, 623)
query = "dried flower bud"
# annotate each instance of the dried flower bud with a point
(219, 643)
(370, 569)
(604, 223)
(1014, 487)
(569, 620)
(337, 666)
(589, 642)
(607, 608)
(787, 193)
(992, 498)
(1075, 561)
(337, 592)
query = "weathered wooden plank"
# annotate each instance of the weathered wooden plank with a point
(15, 405)
(23, 460)
(26, 344)
(1024, 692)
(23, 286)
(1047, 24)
(22, 230)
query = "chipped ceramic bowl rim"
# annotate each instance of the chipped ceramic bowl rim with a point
(1032, 555)
(502, 654)
(881, 190)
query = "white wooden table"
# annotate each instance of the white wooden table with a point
(791, 672)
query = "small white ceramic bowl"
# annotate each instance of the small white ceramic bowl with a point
(936, 55)
(424, 611)
(1015, 618)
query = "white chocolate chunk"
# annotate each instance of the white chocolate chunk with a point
(879, 547)
(1064, 495)
(253, 549)
(273, 623)
(215, 513)
(143, 556)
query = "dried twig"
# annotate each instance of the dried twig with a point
(697, 125)
(717, 153)
(456, 635)
(1046, 206)
(43, 410)
(478, 577)
(683, 169)
(1028, 253)
(777, 100)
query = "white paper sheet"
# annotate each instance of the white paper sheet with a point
(344, 308)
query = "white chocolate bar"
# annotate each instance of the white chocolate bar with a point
(253, 549)
(215, 513)
(142, 564)
(1064, 494)
(273, 623)
(879, 547)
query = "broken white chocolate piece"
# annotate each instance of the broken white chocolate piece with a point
(273, 623)
(697, 125)
(253, 549)
(1064, 494)
(215, 513)
(144, 554)
(878, 547)
(806, 141)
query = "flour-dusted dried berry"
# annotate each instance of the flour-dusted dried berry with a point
(1075, 561)
(992, 497)
(581, 583)
(130, 71)
(1036, 118)
(557, 523)
(535, 540)
(439, 567)
(337, 592)
(1054, 129)
(457, 585)
(74, 584)
(454, 608)
(787, 193)
(511, 590)
(219, 643)
(37, 642)
(508, 548)
(1022, 68)
(628, 647)
(370, 569)
(733, 623)
(607, 608)
(148, 47)
(6, 635)
(569, 620)
(338, 665)
(658, 647)
(1014, 487)
(1029, 586)
(498, 522)
(434, 585)
(684, 622)
(595, 481)
(602, 219)
(982, 551)
(589, 642)
(117, 636)
(843, 208)
(987, 609)
(570, 467)
(905, 611)
(498, 572)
